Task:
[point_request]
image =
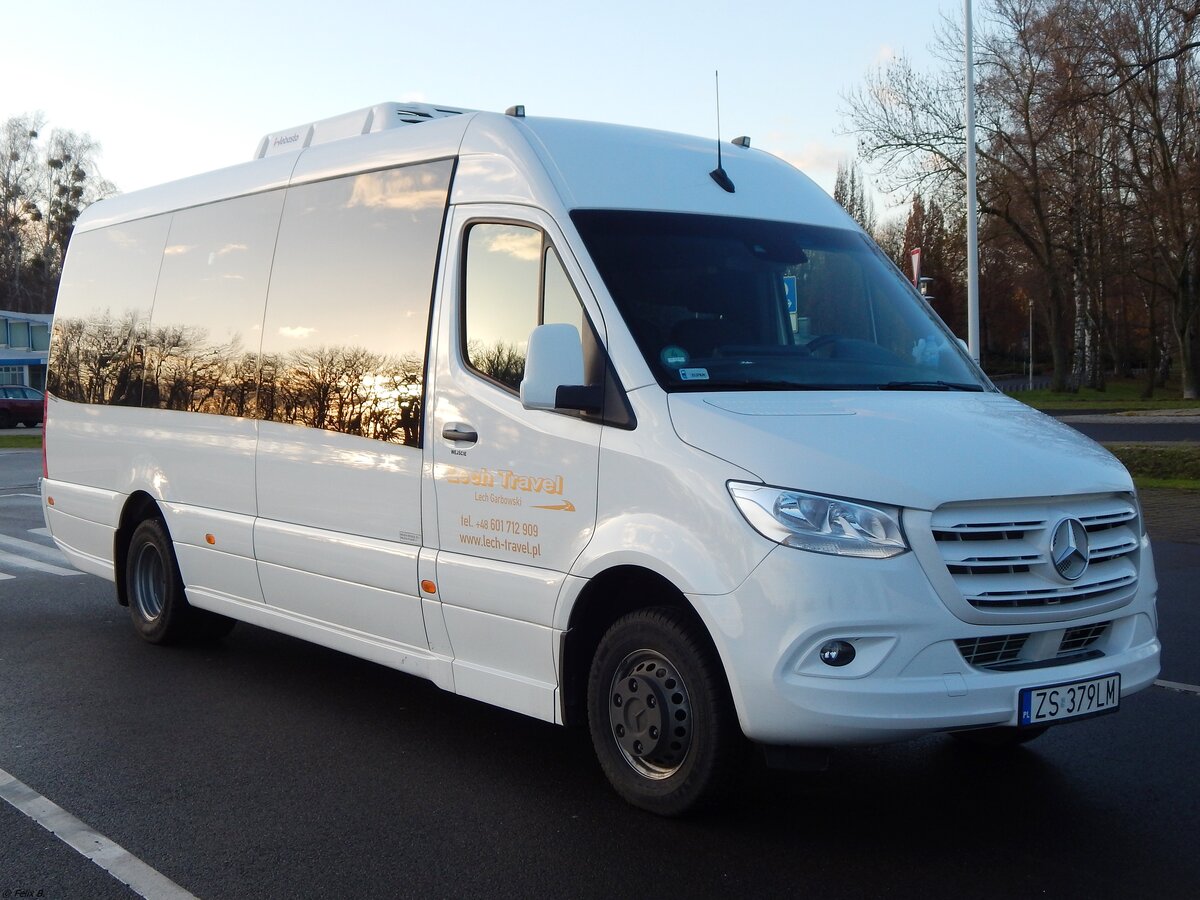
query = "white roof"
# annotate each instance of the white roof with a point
(555, 164)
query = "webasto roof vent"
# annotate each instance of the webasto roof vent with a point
(380, 117)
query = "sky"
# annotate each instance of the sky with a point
(171, 89)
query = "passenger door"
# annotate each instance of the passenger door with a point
(515, 488)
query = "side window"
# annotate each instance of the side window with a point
(560, 303)
(201, 353)
(501, 289)
(103, 310)
(347, 320)
(514, 281)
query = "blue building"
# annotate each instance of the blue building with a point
(24, 346)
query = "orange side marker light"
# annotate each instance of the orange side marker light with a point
(428, 586)
(211, 538)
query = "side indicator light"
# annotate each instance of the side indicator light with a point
(428, 587)
(49, 501)
(211, 538)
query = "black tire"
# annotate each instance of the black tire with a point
(662, 722)
(31, 424)
(999, 738)
(158, 605)
(7, 420)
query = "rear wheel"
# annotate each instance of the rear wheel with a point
(6, 419)
(661, 719)
(157, 603)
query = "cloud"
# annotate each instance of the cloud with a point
(818, 160)
(399, 189)
(519, 243)
(296, 332)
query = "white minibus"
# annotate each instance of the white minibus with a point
(575, 420)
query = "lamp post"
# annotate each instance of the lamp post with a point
(1031, 343)
(972, 222)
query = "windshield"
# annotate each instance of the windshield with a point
(718, 303)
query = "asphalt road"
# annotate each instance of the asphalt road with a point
(264, 766)
(1119, 429)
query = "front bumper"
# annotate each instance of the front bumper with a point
(908, 677)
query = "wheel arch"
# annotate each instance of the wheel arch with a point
(138, 507)
(607, 597)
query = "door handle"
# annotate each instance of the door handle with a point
(457, 431)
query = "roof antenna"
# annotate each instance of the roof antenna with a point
(719, 175)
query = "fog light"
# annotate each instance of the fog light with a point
(837, 653)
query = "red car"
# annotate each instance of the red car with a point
(20, 404)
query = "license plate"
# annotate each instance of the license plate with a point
(1071, 700)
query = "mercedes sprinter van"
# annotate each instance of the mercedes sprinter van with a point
(562, 418)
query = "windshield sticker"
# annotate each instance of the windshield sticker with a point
(674, 356)
(693, 374)
(927, 350)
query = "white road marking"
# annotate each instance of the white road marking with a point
(1177, 686)
(31, 555)
(44, 552)
(17, 561)
(111, 857)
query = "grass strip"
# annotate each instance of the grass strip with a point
(1119, 394)
(20, 441)
(1174, 465)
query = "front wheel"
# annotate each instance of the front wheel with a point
(661, 719)
(157, 603)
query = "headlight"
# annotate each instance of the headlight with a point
(820, 524)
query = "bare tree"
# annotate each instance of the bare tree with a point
(19, 167)
(1150, 48)
(1088, 126)
(850, 190)
(43, 189)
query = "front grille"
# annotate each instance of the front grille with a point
(1017, 651)
(999, 554)
(991, 651)
(1077, 639)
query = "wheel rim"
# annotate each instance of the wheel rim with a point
(650, 714)
(149, 582)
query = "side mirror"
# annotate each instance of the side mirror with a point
(554, 371)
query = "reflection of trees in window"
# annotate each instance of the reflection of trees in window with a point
(98, 360)
(500, 360)
(186, 372)
(345, 389)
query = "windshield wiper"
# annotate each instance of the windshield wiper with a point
(758, 385)
(930, 386)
